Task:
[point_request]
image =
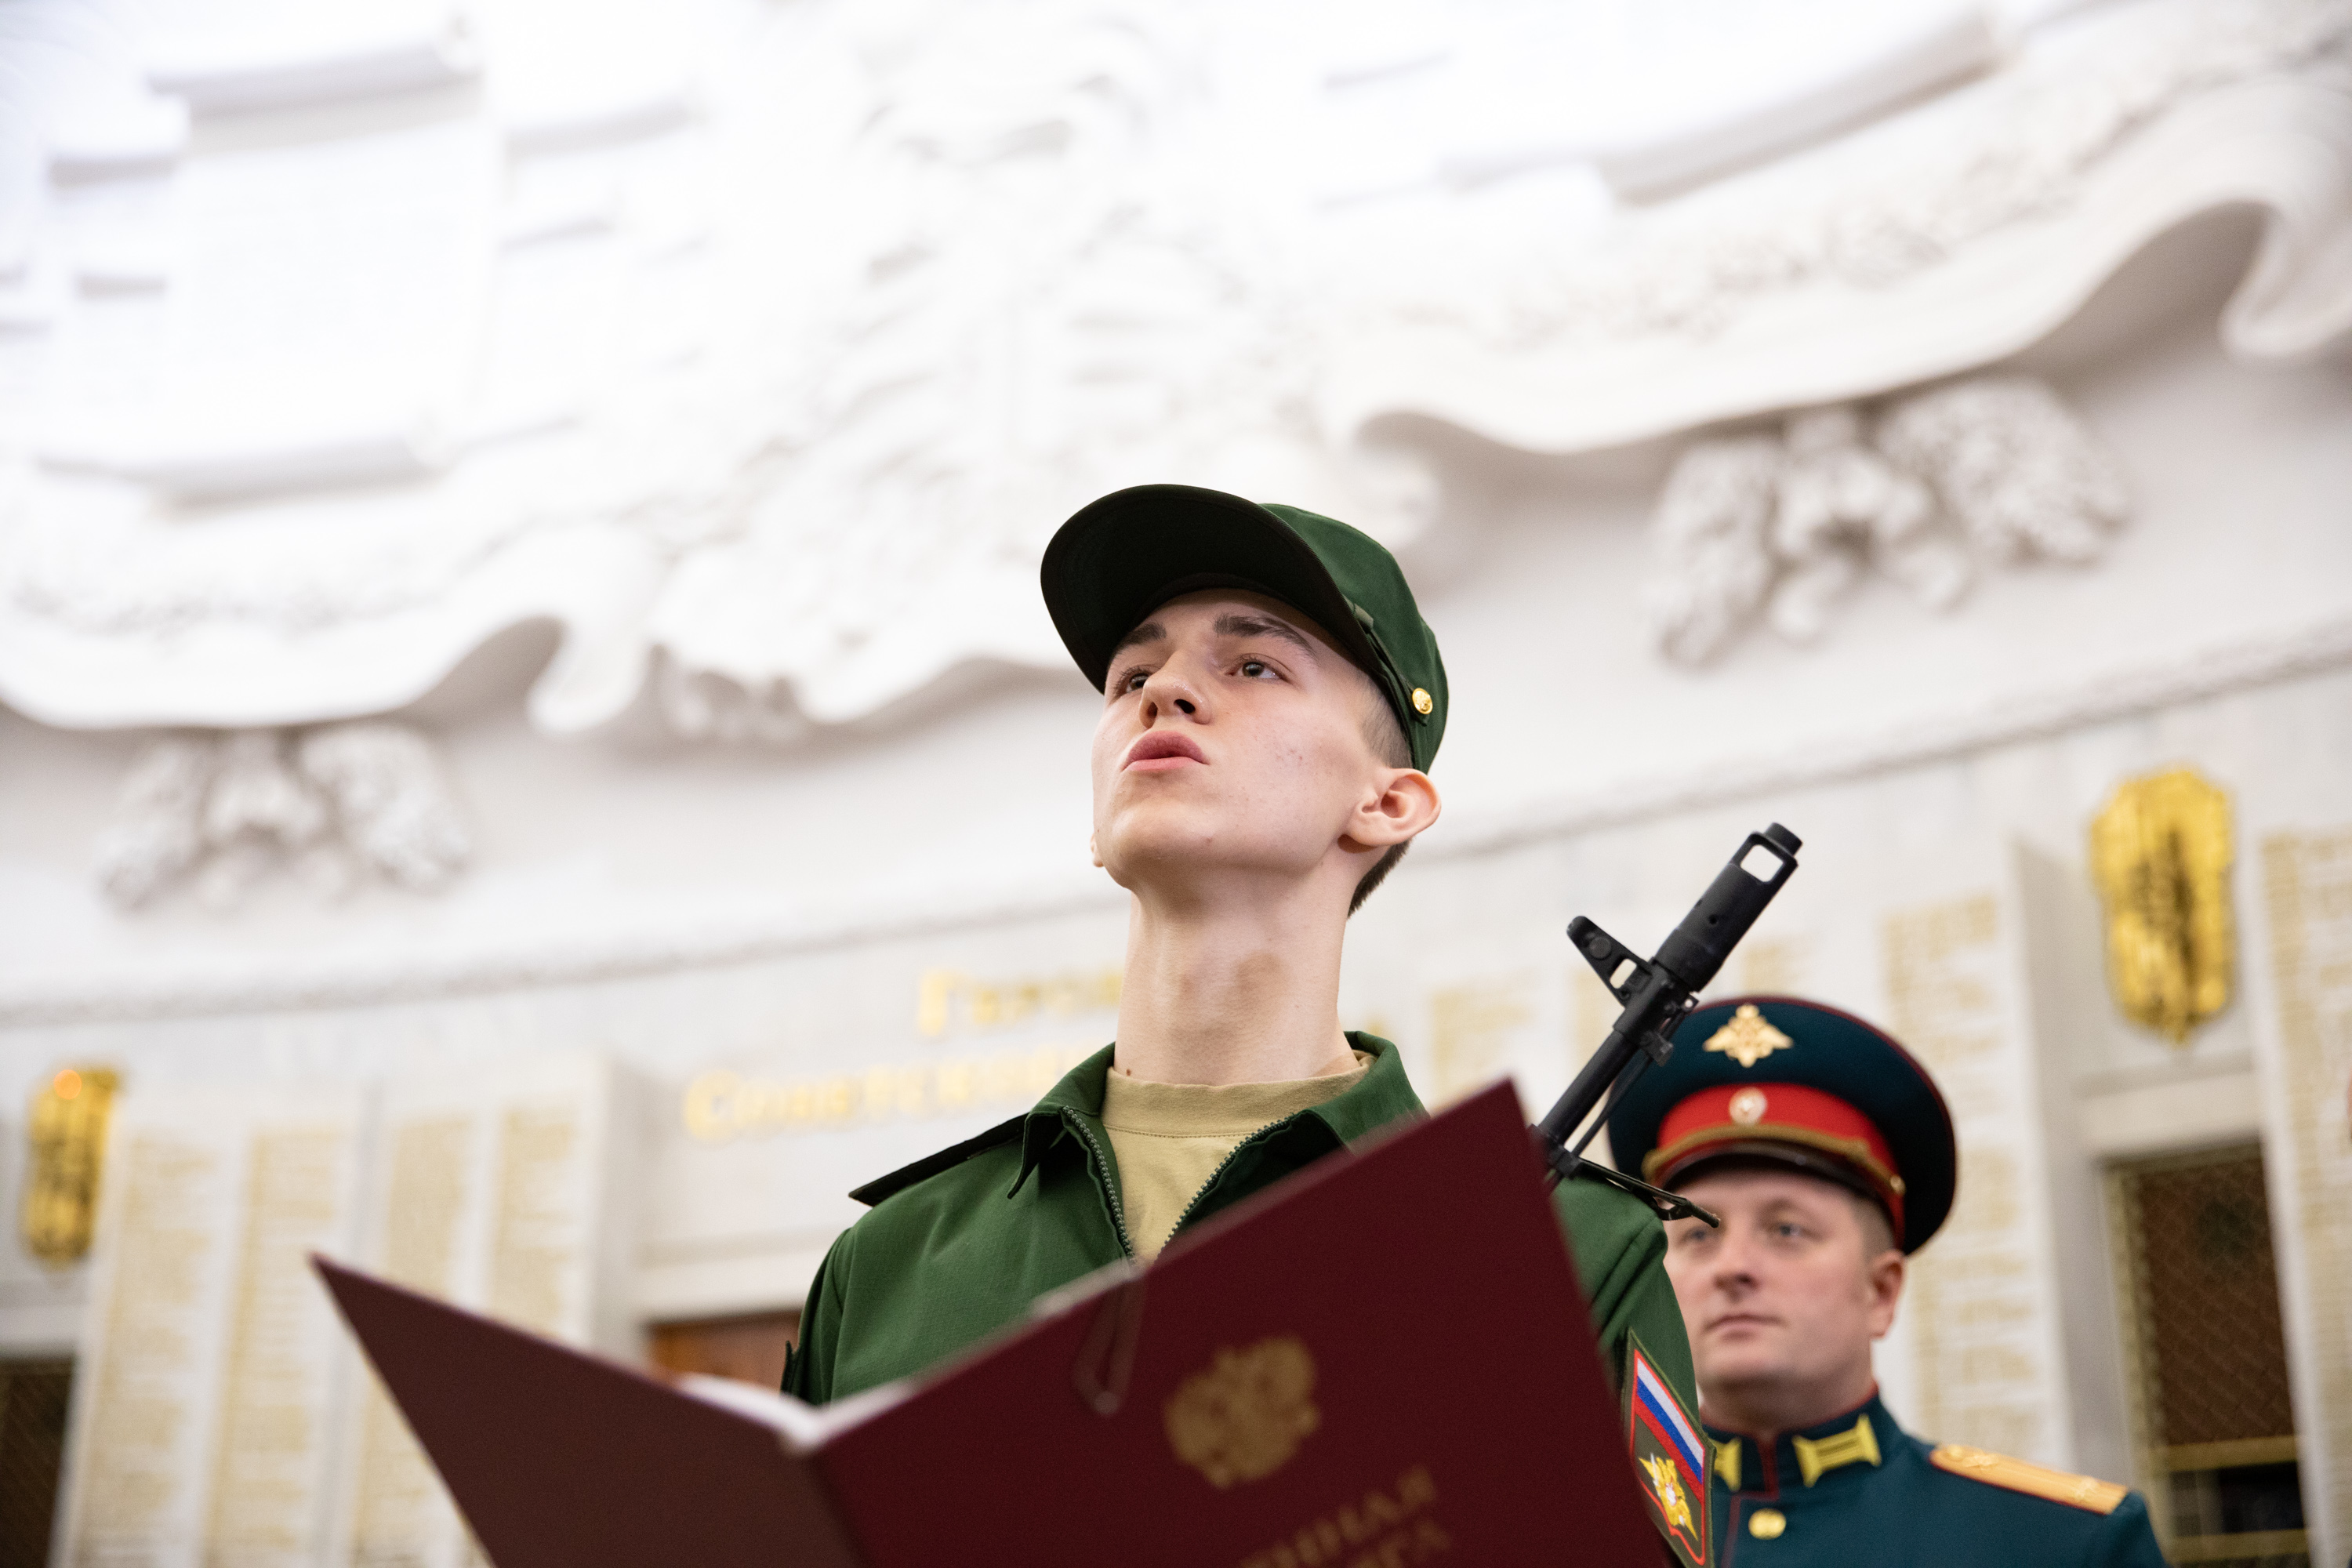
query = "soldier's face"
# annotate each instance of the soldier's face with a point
(1234, 743)
(1787, 1295)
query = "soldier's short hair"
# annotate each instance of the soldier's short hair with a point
(1386, 737)
(1877, 1230)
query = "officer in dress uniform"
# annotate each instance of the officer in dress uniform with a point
(1827, 1152)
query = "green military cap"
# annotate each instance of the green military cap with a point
(1793, 1082)
(1122, 557)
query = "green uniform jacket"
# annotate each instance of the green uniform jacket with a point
(1903, 1506)
(959, 1244)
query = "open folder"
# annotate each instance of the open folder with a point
(1384, 1361)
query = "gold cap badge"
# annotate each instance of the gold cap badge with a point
(1422, 702)
(1748, 1106)
(1748, 1038)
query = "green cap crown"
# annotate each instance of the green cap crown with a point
(1127, 554)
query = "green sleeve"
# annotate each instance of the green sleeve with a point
(808, 1365)
(1621, 1251)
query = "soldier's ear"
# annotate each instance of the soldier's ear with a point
(1404, 805)
(1094, 854)
(1886, 1276)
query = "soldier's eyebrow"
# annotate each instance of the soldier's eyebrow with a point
(1150, 631)
(1261, 626)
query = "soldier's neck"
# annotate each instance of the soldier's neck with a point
(1235, 985)
(1766, 1409)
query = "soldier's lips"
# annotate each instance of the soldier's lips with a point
(1162, 751)
(1732, 1322)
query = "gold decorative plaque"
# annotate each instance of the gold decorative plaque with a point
(2160, 853)
(1242, 1418)
(69, 1141)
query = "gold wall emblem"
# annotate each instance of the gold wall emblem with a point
(2160, 853)
(67, 1142)
(1242, 1418)
(1748, 1038)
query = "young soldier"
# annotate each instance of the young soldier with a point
(1826, 1151)
(1270, 702)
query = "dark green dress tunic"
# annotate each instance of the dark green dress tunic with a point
(1858, 1489)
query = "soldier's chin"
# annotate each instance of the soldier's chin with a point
(1751, 1357)
(1181, 842)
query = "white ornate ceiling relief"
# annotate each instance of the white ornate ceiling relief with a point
(761, 349)
(333, 806)
(1929, 490)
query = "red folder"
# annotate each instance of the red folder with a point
(1384, 1361)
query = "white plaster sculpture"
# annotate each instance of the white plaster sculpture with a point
(759, 349)
(1993, 471)
(333, 804)
(2018, 472)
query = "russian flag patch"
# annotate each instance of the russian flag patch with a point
(1669, 1454)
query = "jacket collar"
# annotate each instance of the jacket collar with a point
(1383, 1095)
(1850, 1443)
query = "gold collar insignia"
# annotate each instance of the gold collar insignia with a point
(1817, 1455)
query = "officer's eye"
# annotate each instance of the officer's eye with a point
(1256, 669)
(1133, 680)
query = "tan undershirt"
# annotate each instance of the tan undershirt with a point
(1169, 1138)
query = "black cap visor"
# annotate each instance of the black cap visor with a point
(1123, 557)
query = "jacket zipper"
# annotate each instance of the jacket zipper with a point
(1102, 1175)
(1230, 1155)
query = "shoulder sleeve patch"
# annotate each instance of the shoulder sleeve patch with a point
(2085, 1492)
(931, 1165)
(1670, 1459)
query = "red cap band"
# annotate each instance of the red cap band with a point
(1710, 1123)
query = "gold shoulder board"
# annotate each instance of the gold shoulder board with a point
(2000, 1470)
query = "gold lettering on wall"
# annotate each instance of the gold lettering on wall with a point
(2307, 884)
(1774, 966)
(1469, 1033)
(267, 1442)
(399, 1508)
(2160, 853)
(144, 1398)
(720, 1105)
(1972, 1297)
(537, 1221)
(949, 1000)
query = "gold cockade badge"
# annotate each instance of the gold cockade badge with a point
(1244, 1417)
(2160, 853)
(1748, 1038)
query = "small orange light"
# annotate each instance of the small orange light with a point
(66, 1084)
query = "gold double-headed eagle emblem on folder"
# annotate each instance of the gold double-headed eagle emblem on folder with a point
(1244, 1417)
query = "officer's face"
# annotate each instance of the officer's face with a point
(1234, 743)
(1786, 1296)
